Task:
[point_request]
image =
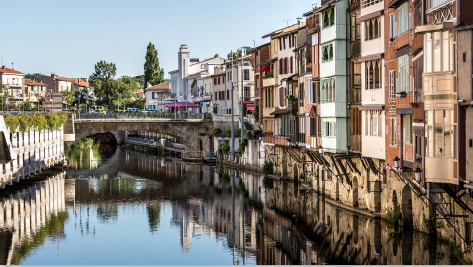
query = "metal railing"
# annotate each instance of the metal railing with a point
(142, 116)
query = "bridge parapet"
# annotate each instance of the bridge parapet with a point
(139, 116)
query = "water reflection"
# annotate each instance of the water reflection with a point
(140, 209)
(30, 216)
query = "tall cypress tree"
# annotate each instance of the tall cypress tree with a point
(153, 73)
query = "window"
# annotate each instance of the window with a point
(418, 90)
(328, 129)
(328, 17)
(392, 85)
(218, 80)
(302, 125)
(246, 92)
(228, 94)
(246, 75)
(327, 52)
(439, 51)
(373, 74)
(291, 70)
(328, 90)
(284, 42)
(374, 122)
(285, 65)
(367, 3)
(301, 94)
(403, 18)
(215, 96)
(403, 74)
(440, 134)
(418, 12)
(393, 131)
(408, 129)
(373, 28)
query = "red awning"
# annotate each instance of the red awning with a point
(265, 68)
(250, 107)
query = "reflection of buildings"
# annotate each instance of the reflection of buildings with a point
(27, 214)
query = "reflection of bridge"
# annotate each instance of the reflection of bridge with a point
(187, 132)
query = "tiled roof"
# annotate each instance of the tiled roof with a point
(218, 74)
(81, 82)
(208, 76)
(4, 69)
(65, 79)
(247, 57)
(161, 86)
(139, 91)
(33, 82)
(278, 31)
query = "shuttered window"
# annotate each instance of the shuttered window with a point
(403, 18)
(281, 96)
(403, 74)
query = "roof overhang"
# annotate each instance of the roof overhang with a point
(372, 107)
(371, 57)
(280, 111)
(436, 27)
(372, 15)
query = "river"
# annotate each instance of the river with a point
(118, 206)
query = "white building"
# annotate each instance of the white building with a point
(372, 77)
(184, 79)
(13, 81)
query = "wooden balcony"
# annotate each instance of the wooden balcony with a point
(277, 140)
(298, 138)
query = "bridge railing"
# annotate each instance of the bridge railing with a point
(142, 116)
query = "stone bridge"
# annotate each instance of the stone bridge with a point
(186, 132)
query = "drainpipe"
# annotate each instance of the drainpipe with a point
(401, 142)
(348, 80)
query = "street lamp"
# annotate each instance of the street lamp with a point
(321, 150)
(396, 162)
(418, 174)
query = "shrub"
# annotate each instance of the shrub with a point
(229, 132)
(242, 146)
(257, 134)
(225, 149)
(202, 134)
(249, 135)
(216, 132)
(394, 215)
(268, 167)
(239, 132)
(208, 116)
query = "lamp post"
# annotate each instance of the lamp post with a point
(418, 174)
(321, 150)
(396, 162)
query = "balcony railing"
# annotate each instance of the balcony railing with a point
(367, 3)
(292, 104)
(269, 82)
(277, 140)
(298, 138)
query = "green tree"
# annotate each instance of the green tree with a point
(102, 80)
(236, 54)
(68, 96)
(153, 73)
(34, 76)
(140, 79)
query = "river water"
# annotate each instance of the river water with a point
(125, 207)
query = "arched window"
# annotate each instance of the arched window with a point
(377, 77)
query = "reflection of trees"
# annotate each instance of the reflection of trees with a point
(153, 210)
(107, 213)
(53, 227)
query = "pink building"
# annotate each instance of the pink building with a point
(156, 94)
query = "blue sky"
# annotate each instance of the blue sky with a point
(69, 37)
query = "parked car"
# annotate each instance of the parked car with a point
(150, 109)
(94, 112)
(133, 109)
(104, 112)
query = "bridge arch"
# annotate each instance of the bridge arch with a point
(185, 132)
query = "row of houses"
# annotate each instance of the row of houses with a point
(387, 79)
(39, 91)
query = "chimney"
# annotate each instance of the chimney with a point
(149, 85)
(53, 75)
(3, 67)
(12, 67)
(299, 21)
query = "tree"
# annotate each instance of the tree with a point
(101, 80)
(153, 73)
(236, 54)
(68, 96)
(34, 76)
(140, 79)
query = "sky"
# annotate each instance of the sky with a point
(69, 37)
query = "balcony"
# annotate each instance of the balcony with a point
(268, 111)
(277, 140)
(271, 81)
(298, 138)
